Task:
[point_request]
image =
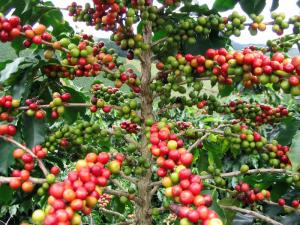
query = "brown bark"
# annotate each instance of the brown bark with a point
(143, 209)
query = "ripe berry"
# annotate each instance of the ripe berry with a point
(281, 202)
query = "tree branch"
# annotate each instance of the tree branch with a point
(117, 183)
(5, 180)
(114, 213)
(219, 188)
(238, 173)
(154, 190)
(253, 171)
(125, 223)
(159, 41)
(40, 163)
(252, 213)
(197, 142)
(164, 109)
(154, 184)
(284, 206)
(128, 178)
(129, 139)
(120, 193)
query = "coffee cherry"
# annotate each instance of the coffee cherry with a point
(281, 202)
(244, 168)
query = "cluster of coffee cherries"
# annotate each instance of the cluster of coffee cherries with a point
(182, 125)
(180, 183)
(82, 56)
(249, 195)
(250, 66)
(295, 20)
(21, 177)
(106, 15)
(258, 113)
(257, 24)
(9, 28)
(80, 60)
(216, 173)
(107, 97)
(130, 127)
(104, 200)
(242, 138)
(249, 112)
(188, 29)
(279, 23)
(104, 95)
(57, 104)
(8, 129)
(34, 108)
(73, 136)
(80, 191)
(129, 77)
(294, 180)
(277, 155)
(131, 42)
(135, 167)
(35, 35)
(8, 106)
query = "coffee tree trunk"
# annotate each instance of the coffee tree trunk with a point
(143, 210)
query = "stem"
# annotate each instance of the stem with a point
(219, 188)
(142, 210)
(238, 173)
(41, 164)
(114, 213)
(284, 206)
(125, 223)
(253, 171)
(120, 193)
(70, 105)
(128, 178)
(5, 180)
(252, 213)
(197, 142)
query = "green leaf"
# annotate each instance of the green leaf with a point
(54, 18)
(275, 5)
(34, 131)
(225, 90)
(223, 5)
(202, 160)
(10, 69)
(279, 189)
(243, 219)
(6, 153)
(263, 181)
(216, 150)
(199, 9)
(288, 128)
(159, 35)
(15, 70)
(6, 159)
(254, 6)
(71, 114)
(294, 152)
(290, 219)
(229, 215)
(6, 194)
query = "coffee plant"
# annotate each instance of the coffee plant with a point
(200, 134)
